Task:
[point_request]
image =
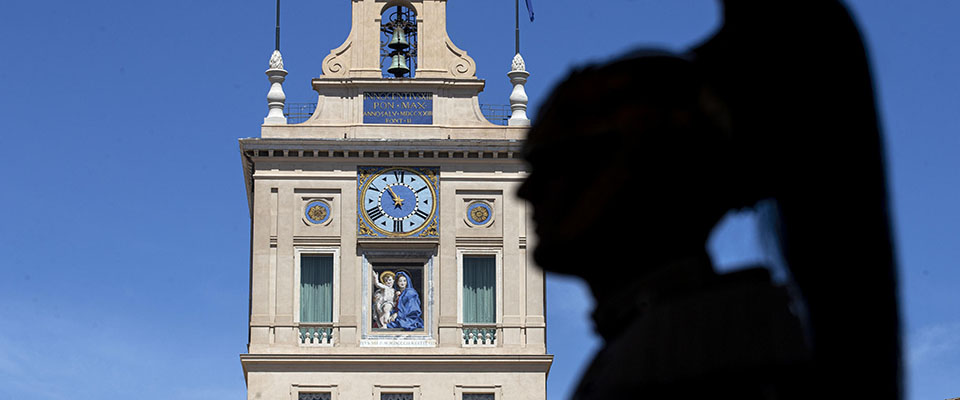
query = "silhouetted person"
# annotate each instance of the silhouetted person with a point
(634, 162)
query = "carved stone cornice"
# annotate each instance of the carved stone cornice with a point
(467, 149)
(432, 151)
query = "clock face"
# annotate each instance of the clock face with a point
(397, 201)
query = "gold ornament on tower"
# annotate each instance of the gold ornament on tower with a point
(318, 213)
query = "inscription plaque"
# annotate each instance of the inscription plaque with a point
(407, 108)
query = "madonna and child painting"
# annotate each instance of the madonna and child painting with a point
(396, 301)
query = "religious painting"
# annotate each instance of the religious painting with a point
(397, 300)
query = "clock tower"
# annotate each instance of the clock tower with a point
(389, 249)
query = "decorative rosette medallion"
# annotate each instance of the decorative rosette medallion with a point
(479, 213)
(316, 212)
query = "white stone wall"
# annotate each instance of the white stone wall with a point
(283, 185)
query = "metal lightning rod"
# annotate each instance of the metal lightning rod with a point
(517, 4)
(278, 25)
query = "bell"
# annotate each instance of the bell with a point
(399, 40)
(398, 65)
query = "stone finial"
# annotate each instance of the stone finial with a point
(518, 64)
(275, 97)
(276, 60)
(518, 98)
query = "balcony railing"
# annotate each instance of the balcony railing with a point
(298, 112)
(480, 335)
(496, 113)
(316, 334)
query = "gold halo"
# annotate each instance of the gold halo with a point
(385, 274)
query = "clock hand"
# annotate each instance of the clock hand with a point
(397, 201)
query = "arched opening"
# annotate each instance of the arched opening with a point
(398, 41)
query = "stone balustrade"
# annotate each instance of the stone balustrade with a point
(479, 335)
(316, 334)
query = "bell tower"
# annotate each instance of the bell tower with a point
(360, 54)
(389, 249)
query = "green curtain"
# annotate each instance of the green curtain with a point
(479, 290)
(316, 289)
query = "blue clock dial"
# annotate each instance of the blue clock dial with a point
(398, 201)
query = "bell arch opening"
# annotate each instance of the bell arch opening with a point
(398, 40)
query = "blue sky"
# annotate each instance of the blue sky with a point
(124, 240)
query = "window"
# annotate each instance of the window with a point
(313, 392)
(316, 288)
(479, 289)
(396, 392)
(478, 396)
(396, 396)
(314, 396)
(477, 392)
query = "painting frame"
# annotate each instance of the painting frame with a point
(418, 264)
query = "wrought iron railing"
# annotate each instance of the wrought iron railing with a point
(496, 113)
(298, 112)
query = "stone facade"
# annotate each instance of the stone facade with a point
(290, 169)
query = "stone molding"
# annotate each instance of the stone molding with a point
(398, 362)
(461, 65)
(436, 149)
